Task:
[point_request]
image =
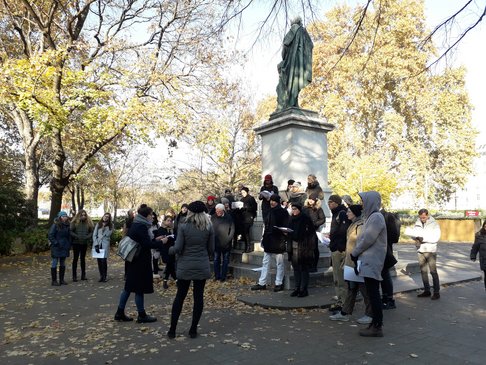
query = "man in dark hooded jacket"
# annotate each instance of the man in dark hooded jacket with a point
(337, 245)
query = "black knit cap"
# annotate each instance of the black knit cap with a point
(356, 209)
(297, 206)
(197, 207)
(275, 198)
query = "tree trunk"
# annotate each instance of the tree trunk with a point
(73, 200)
(58, 182)
(30, 141)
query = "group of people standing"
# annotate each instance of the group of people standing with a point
(191, 245)
(78, 235)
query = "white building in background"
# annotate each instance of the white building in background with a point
(473, 195)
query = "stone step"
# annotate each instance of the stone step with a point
(256, 258)
(322, 277)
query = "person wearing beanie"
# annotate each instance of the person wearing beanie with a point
(354, 283)
(274, 244)
(337, 245)
(285, 195)
(248, 214)
(313, 187)
(270, 189)
(194, 247)
(224, 230)
(60, 244)
(139, 278)
(370, 250)
(301, 249)
(313, 208)
(210, 204)
(297, 195)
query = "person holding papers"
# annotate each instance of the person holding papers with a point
(101, 244)
(369, 255)
(355, 283)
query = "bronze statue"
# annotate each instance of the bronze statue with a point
(295, 70)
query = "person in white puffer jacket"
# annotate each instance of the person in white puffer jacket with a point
(426, 235)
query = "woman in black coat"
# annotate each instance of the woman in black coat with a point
(480, 246)
(302, 243)
(139, 278)
(249, 212)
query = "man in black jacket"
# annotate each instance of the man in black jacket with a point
(337, 245)
(274, 242)
(224, 230)
(392, 235)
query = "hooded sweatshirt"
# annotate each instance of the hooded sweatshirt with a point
(371, 244)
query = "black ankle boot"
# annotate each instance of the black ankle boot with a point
(54, 281)
(193, 333)
(62, 271)
(145, 318)
(121, 316)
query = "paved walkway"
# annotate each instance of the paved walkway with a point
(454, 266)
(73, 324)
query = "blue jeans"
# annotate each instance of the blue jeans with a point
(62, 262)
(220, 272)
(138, 301)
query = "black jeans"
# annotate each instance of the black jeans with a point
(198, 297)
(301, 276)
(373, 289)
(79, 251)
(170, 270)
(386, 284)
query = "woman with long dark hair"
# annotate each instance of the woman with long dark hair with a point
(81, 233)
(194, 246)
(101, 241)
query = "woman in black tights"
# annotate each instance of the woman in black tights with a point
(194, 246)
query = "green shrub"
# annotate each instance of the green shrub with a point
(6, 242)
(116, 236)
(35, 240)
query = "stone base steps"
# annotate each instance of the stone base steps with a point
(247, 265)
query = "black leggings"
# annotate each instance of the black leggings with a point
(373, 289)
(198, 296)
(484, 271)
(79, 251)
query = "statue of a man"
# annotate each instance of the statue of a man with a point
(295, 70)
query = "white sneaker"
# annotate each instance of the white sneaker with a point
(339, 317)
(364, 320)
(335, 298)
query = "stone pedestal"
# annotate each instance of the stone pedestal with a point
(294, 145)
